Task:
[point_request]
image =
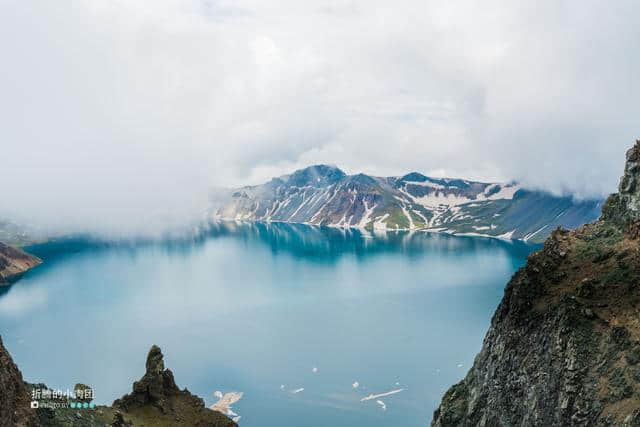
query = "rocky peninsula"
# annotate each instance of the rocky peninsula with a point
(14, 263)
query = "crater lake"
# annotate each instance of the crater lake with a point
(315, 326)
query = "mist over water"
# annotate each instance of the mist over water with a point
(265, 309)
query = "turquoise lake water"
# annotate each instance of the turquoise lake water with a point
(266, 309)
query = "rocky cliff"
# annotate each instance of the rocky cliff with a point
(14, 262)
(325, 195)
(15, 409)
(563, 348)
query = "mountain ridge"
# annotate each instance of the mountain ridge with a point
(325, 195)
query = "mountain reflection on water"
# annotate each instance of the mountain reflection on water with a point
(306, 322)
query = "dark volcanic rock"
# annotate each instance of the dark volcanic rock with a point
(119, 421)
(157, 400)
(156, 387)
(14, 262)
(15, 409)
(564, 344)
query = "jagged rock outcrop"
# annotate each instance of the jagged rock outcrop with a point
(563, 348)
(157, 400)
(325, 195)
(14, 262)
(15, 409)
(623, 208)
(156, 387)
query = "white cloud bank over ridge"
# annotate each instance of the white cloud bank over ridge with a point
(113, 110)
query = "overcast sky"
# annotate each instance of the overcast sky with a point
(111, 109)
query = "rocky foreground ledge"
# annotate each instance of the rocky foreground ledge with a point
(563, 348)
(14, 263)
(155, 400)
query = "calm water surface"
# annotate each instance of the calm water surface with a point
(255, 308)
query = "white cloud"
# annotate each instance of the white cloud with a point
(115, 110)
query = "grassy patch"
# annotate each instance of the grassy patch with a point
(397, 217)
(598, 245)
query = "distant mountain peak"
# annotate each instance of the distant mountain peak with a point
(323, 168)
(414, 176)
(316, 176)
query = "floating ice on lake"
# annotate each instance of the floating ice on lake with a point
(225, 401)
(375, 396)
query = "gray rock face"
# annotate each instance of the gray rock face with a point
(563, 347)
(624, 206)
(324, 195)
